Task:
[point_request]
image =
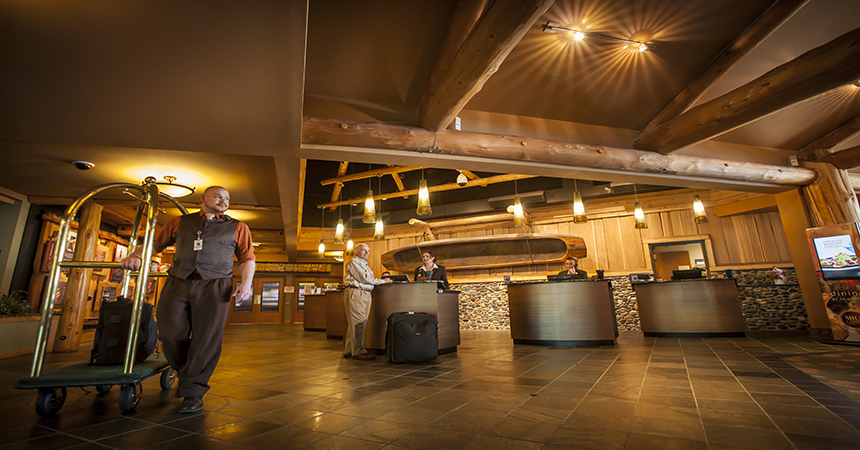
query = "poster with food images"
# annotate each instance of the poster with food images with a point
(834, 253)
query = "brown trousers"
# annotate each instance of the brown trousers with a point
(191, 317)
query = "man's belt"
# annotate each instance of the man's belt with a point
(359, 289)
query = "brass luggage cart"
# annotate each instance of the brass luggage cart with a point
(52, 385)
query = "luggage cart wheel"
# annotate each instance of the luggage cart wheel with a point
(167, 378)
(129, 396)
(103, 388)
(50, 401)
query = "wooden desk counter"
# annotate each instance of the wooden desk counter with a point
(562, 313)
(335, 315)
(418, 297)
(694, 308)
(315, 310)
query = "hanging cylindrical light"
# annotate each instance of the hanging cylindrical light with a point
(369, 208)
(699, 210)
(639, 215)
(338, 232)
(578, 207)
(321, 250)
(519, 217)
(350, 251)
(379, 232)
(424, 208)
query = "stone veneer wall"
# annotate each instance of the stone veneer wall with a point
(484, 306)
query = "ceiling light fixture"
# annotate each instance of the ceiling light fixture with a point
(638, 214)
(321, 248)
(856, 83)
(172, 189)
(424, 208)
(519, 216)
(369, 205)
(699, 210)
(578, 35)
(338, 231)
(378, 231)
(350, 251)
(578, 207)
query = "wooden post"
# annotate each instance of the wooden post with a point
(71, 322)
(830, 198)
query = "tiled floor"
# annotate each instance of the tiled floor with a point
(280, 387)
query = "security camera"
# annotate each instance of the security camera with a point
(83, 165)
(462, 180)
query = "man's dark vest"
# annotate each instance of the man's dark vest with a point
(215, 260)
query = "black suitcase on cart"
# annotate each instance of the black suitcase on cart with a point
(111, 337)
(411, 337)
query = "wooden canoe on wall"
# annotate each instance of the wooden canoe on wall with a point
(488, 251)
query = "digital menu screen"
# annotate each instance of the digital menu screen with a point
(837, 257)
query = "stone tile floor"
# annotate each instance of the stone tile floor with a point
(280, 387)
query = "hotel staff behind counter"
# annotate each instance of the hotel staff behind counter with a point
(572, 268)
(429, 270)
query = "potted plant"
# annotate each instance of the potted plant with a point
(18, 326)
(777, 275)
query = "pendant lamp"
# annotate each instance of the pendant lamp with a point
(699, 210)
(578, 207)
(638, 214)
(424, 208)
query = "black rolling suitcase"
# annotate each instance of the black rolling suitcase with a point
(112, 333)
(411, 337)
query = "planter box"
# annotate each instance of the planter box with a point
(18, 335)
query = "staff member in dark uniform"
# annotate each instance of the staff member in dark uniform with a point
(196, 295)
(572, 268)
(430, 270)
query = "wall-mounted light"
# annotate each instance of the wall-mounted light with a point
(424, 208)
(172, 189)
(699, 210)
(579, 35)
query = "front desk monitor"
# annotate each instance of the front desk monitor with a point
(837, 257)
(397, 278)
(690, 274)
(562, 277)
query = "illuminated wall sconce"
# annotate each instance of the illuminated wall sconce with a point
(519, 217)
(350, 247)
(699, 210)
(639, 215)
(424, 208)
(338, 232)
(369, 208)
(321, 250)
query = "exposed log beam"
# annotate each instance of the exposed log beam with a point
(438, 188)
(469, 174)
(341, 171)
(848, 158)
(854, 180)
(399, 182)
(370, 174)
(513, 148)
(821, 147)
(498, 30)
(424, 226)
(755, 204)
(818, 70)
(775, 16)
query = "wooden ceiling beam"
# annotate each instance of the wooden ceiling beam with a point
(772, 19)
(439, 188)
(369, 174)
(469, 174)
(848, 158)
(513, 148)
(819, 70)
(486, 45)
(341, 171)
(399, 182)
(822, 146)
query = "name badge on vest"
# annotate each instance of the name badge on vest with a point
(198, 243)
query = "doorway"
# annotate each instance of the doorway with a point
(668, 257)
(264, 306)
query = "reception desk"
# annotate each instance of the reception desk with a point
(335, 315)
(693, 308)
(315, 308)
(570, 313)
(417, 297)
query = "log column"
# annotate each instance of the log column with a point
(71, 322)
(828, 200)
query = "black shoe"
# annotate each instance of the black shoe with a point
(364, 357)
(191, 405)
